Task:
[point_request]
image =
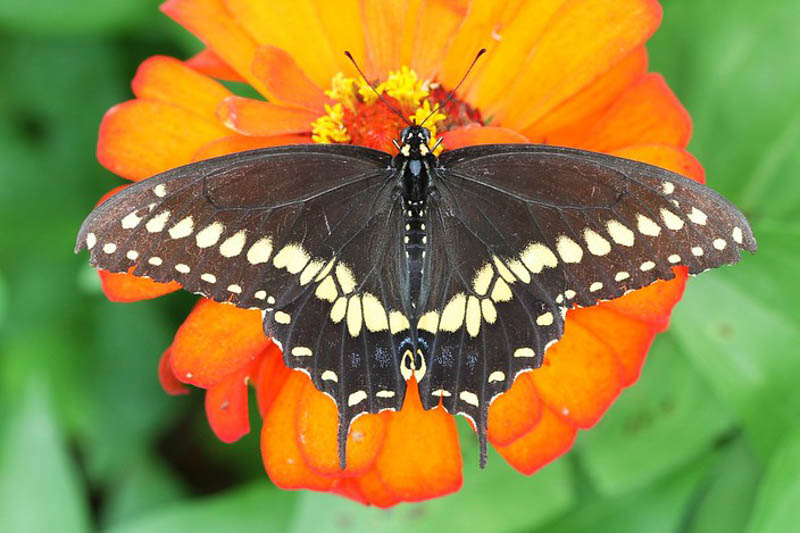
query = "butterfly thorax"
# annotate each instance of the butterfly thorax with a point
(414, 163)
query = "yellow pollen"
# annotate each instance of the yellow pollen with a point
(330, 128)
(403, 85)
(343, 89)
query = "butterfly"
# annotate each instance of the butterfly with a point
(371, 269)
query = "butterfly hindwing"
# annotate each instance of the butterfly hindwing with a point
(485, 318)
(346, 329)
(520, 233)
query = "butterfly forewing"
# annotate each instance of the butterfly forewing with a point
(601, 224)
(289, 231)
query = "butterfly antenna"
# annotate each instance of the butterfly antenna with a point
(390, 106)
(453, 92)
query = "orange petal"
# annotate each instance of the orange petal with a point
(168, 381)
(140, 138)
(292, 26)
(501, 67)
(349, 488)
(664, 156)
(648, 112)
(211, 22)
(167, 80)
(483, 20)
(421, 458)
(226, 405)
(241, 143)
(580, 376)
(279, 441)
(551, 437)
(514, 413)
(341, 21)
(628, 338)
(278, 72)
(383, 23)
(125, 287)
(208, 63)
(477, 134)
(574, 50)
(272, 374)
(569, 120)
(215, 340)
(437, 23)
(254, 117)
(317, 427)
(406, 37)
(652, 304)
(375, 490)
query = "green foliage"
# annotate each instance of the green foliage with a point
(779, 491)
(40, 485)
(48, 17)
(247, 509)
(651, 508)
(706, 441)
(725, 498)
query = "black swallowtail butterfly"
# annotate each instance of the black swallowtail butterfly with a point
(370, 269)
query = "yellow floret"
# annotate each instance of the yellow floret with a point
(343, 89)
(404, 85)
(329, 128)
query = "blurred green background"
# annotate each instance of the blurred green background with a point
(707, 441)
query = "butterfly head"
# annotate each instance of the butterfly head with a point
(414, 142)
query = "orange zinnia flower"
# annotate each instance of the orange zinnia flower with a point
(567, 72)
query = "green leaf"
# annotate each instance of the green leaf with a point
(726, 499)
(497, 498)
(145, 485)
(127, 406)
(3, 300)
(656, 508)
(776, 507)
(257, 507)
(53, 16)
(53, 360)
(51, 144)
(40, 489)
(666, 419)
(746, 351)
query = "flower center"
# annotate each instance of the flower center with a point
(357, 115)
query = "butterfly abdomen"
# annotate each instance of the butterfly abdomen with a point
(416, 241)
